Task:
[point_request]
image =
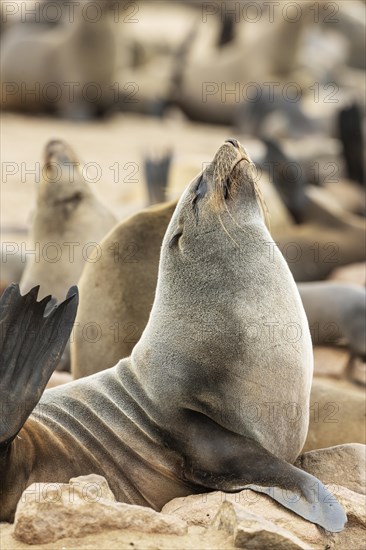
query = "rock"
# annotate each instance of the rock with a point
(337, 414)
(203, 510)
(92, 486)
(252, 531)
(330, 361)
(358, 371)
(49, 511)
(118, 539)
(340, 465)
(198, 510)
(226, 519)
(353, 503)
(254, 520)
(353, 274)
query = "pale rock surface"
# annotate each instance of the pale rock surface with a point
(126, 539)
(203, 509)
(330, 361)
(251, 531)
(49, 511)
(353, 274)
(354, 505)
(339, 465)
(358, 371)
(256, 521)
(337, 414)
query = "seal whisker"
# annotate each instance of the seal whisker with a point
(226, 231)
(262, 205)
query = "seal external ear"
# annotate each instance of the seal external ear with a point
(31, 344)
(222, 460)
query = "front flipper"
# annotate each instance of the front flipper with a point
(31, 344)
(221, 460)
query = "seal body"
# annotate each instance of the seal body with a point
(336, 313)
(60, 62)
(176, 417)
(214, 76)
(328, 238)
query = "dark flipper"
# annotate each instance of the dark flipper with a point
(221, 460)
(157, 175)
(31, 345)
(287, 178)
(227, 30)
(351, 136)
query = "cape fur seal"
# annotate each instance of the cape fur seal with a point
(216, 79)
(163, 423)
(330, 237)
(68, 223)
(350, 122)
(60, 60)
(336, 313)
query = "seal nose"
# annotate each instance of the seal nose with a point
(233, 142)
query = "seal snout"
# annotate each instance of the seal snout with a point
(234, 142)
(58, 152)
(230, 171)
(229, 155)
(236, 149)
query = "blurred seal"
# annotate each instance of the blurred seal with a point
(68, 223)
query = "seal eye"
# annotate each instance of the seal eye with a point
(174, 240)
(226, 189)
